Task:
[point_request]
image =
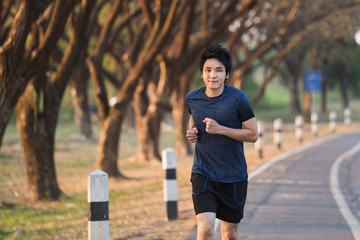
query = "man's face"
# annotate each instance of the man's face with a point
(214, 75)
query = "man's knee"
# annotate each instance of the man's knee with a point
(205, 230)
(206, 225)
(229, 231)
(229, 235)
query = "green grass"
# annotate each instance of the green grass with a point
(44, 220)
(11, 133)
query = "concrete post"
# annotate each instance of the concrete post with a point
(332, 121)
(278, 128)
(299, 128)
(98, 199)
(259, 142)
(170, 183)
(347, 116)
(315, 123)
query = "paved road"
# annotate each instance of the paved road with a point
(297, 195)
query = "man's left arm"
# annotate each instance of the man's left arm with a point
(249, 132)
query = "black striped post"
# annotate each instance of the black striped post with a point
(170, 183)
(278, 127)
(98, 199)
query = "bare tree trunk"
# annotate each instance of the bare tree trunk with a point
(149, 134)
(148, 140)
(37, 137)
(307, 106)
(38, 108)
(237, 78)
(108, 148)
(323, 95)
(343, 81)
(294, 95)
(79, 94)
(110, 124)
(141, 103)
(293, 62)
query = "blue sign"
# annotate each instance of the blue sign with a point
(313, 81)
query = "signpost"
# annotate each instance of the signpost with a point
(313, 85)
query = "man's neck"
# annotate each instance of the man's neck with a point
(213, 93)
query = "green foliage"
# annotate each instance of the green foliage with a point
(250, 86)
(66, 113)
(343, 59)
(274, 104)
(11, 133)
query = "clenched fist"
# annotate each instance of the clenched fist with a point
(192, 134)
(212, 126)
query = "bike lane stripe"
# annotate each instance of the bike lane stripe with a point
(351, 220)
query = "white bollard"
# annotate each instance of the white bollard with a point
(299, 128)
(332, 121)
(170, 183)
(259, 142)
(278, 127)
(315, 123)
(347, 116)
(98, 199)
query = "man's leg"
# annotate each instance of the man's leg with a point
(229, 231)
(205, 225)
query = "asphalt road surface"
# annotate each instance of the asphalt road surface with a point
(312, 192)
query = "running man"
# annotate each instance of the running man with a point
(221, 119)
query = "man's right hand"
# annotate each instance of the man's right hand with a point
(192, 134)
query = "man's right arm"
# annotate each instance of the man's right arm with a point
(192, 132)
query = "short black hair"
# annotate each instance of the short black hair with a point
(219, 52)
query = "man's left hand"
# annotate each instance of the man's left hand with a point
(212, 126)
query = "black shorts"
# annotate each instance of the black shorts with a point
(227, 200)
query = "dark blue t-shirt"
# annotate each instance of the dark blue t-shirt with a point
(219, 157)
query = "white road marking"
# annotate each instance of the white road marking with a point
(307, 182)
(285, 182)
(288, 182)
(339, 197)
(290, 196)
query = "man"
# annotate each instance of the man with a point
(221, 119)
